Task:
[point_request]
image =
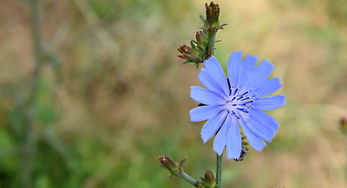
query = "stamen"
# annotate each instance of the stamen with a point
(235, 115)
(229, 84)
(244, 93)
(241, 96)
(236, 91)
(248, 102)
(243, 110)
(244, 99)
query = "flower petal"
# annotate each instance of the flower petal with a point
(234, 65)
(234, 144)
(270, 103)
(261, 125)
(205, 96)
(221, 138)
(212, 125)
(269, 86)
(258, 76)
(202, 113)
(216, 71)
(248, 63)
(265, 119)
(256, 143)
(247, 66)
(208, 81)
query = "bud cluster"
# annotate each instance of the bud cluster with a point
(198, 50)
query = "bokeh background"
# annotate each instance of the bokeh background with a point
(112, 96)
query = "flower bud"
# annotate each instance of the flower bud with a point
(199, 37)
(209, 181)
(166, 162)
(184, 49)
(212, 14)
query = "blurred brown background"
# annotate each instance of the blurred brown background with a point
(112, 95)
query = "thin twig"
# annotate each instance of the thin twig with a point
(176, 169)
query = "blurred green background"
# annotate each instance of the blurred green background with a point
(113, 96)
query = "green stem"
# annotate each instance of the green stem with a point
(219, 170)
(211, 41)
(189, 179)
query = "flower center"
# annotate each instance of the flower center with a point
(231, 105)
(239, 102)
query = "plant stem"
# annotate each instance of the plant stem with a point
(189, 179)
(219, 170)
(29, 145)
(211, 41)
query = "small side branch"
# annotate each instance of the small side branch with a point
(176, 170)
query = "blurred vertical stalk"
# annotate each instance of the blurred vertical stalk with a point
(219, 158)
(212, 25)
(29, 145)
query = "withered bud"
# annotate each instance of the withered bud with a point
(184, 49)
(166, 162)
(187, 57)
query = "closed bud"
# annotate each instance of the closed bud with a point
(209, 180)
(166, 162)
(212, 14)
(201, 38)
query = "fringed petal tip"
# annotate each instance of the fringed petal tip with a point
(211, 58)
(203, 138)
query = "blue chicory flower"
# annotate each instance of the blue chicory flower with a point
(237, 101)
